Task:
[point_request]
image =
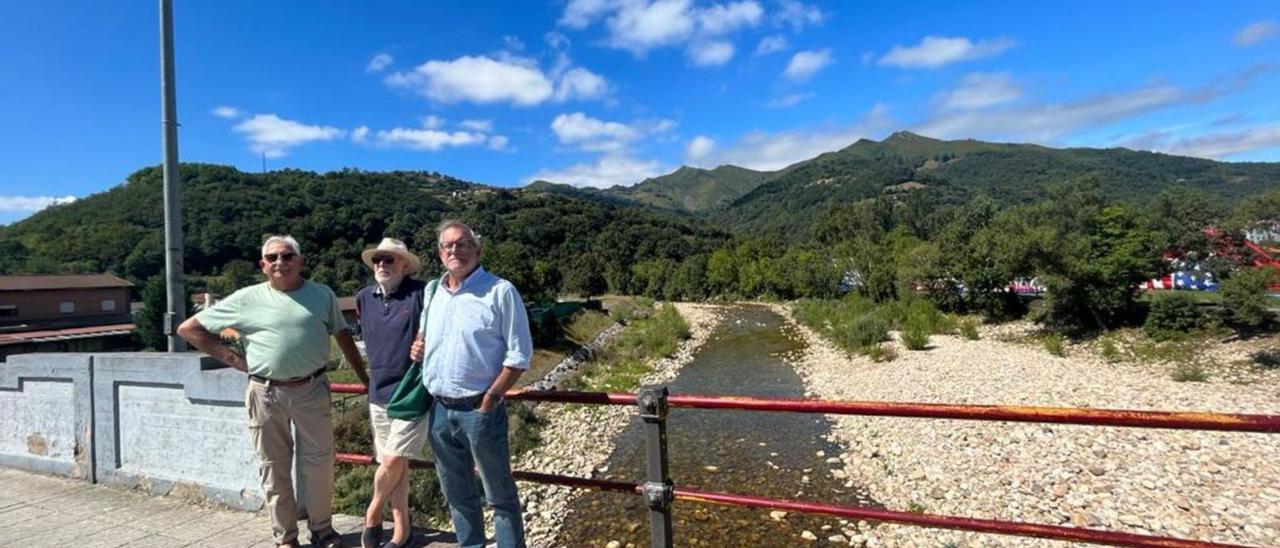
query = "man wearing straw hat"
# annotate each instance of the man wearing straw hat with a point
(389, 311)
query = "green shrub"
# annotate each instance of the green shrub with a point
(1171, 316)
(880, 353)
(1244, 296)
(1056, 344)
(969, 329)
(862, 331)
(1189, 371)
(915, 336)
(1108, 349)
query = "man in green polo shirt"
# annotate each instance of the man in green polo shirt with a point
(285, 324)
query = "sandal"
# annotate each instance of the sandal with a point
(326, 539)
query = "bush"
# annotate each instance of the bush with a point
(1055, 344)
(1189, 371)
(1244, 297)
(969, 329)
(881, 353)
(915, 336)
(1109, 351)
(1171, 316)
(862, 331)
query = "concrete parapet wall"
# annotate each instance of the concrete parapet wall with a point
(46, 410)
(174, 424)
(171, 424)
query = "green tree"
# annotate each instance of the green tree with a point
(1244, 296)
(584, 275)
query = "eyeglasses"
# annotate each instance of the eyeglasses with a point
(379, 259)
(284, 257)
(457, 244)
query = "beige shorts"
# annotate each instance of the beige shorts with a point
(397, 437)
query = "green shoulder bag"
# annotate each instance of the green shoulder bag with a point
(411, 399)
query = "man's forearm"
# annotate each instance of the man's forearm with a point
(349, 350)
(506, 379)
(207, 342)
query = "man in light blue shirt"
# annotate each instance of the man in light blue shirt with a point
(476, 344)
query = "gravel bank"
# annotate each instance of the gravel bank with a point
(578, 440)
(1222, 487)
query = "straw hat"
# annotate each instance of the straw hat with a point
(394, 247)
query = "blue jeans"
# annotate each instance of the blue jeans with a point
(465, 439)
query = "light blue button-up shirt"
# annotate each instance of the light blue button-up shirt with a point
(472, 333)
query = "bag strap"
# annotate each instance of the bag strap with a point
(427, 294)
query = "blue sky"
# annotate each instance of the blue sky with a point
(601, 92)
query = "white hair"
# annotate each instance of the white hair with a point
(282, 239)
(455, 223)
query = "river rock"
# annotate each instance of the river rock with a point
(808, 535)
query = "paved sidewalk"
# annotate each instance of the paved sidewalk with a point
(38, 510)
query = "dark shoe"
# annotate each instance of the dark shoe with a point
(391, 544)
(326, 539)
(290, 544)
(371, 537)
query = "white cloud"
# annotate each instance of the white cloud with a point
(608, 170)
(1047, 122)
(556, 40)
(513, 43)
(805, 64)
(771, 44)
(580, 83)
(227, 112)
(360, 134)
(508, 78)
(578, 14)
(937, 51)
(379, 62)
(639, 26)
(798, 15)
(698, 149)
(428, 139)
(31, 203)
(980, 90)
(498, 142)
(725, 18)
(769, 151)
(484, 126)
(789, 101)
(1212, 145)
(432, 121)
(273, 136)
(589, 133)
(711, 53)
(1256, 33)
(478, 80)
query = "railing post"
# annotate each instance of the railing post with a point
(658, 488)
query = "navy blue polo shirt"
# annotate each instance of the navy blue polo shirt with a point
(389, 325)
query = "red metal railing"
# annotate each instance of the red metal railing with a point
(1056, 415)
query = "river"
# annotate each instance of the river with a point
(781, 455)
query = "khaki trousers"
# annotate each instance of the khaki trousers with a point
(305, 408)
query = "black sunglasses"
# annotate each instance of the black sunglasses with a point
(379, 259)
(286, 257)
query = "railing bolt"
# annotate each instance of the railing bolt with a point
(652, 401)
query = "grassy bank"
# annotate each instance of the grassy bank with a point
(652, 334)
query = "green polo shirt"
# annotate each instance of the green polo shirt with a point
(285, 333)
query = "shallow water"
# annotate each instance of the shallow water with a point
(746, 452)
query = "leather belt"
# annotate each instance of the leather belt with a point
(462, 403)
(296, 381)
